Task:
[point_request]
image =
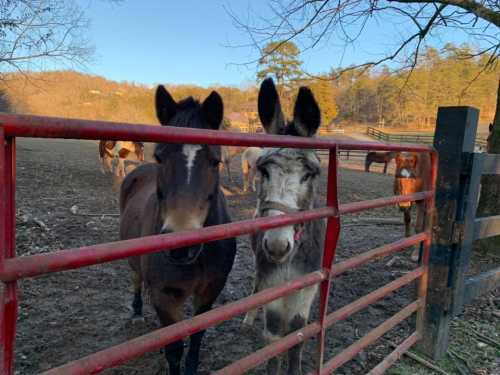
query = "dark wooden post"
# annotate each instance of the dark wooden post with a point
(455, 134)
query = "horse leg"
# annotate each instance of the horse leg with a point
(299, 306)
(419, 227)
(228, 167)
(169, 310)
(193, 356)
(252, 314)
(251, 177)
(274, 326)
(407, 216)
(244, 170)
(367, 165)
(137, 301)
(385, 167)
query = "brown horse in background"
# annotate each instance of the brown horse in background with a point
(412, 176)
(378, 157)
(180, 192)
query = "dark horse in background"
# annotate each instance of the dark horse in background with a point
(378, 157)
(180, 192)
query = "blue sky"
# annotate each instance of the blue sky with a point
(188, 42)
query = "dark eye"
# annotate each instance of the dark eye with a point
(306, 177)
(210, 197)
(263, 171)
(214, 162)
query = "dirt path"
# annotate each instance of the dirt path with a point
(68, 315)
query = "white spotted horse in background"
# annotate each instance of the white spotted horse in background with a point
(120, 151)
(180, 192)
(249, 166)
(288, 182)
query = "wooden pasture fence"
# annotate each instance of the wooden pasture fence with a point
(410, 137)
(456, 226)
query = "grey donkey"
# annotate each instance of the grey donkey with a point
(288, 183)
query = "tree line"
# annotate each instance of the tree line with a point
(357, 96)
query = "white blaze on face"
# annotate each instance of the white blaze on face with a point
(189, 152)
(405, 173)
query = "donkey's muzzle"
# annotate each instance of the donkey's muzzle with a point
(185, 255)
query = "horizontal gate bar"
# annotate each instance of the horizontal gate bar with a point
(294, 338)
(53, 127)
(402, 348)
(341, 267)
(134, 348)
(348, 310)
(272, 350)
(34, 265)
(350, 208)
(351, 351)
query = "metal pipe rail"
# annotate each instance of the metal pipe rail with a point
(12, 268)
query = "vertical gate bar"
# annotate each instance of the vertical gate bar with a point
(429, 216)
(331, 238)
(8, 296)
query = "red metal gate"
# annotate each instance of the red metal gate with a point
(13, 269)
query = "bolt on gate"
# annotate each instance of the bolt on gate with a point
(13, 268)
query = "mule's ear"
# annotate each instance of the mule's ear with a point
(306, 115)
(269, 106)
(166, 107)
(213, 110)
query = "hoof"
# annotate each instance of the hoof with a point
(137, 319)
(415, 254)
(248, 321)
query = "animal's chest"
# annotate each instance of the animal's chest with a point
(274, 275)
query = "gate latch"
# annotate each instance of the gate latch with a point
(458, 232)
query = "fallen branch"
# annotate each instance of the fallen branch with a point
(421, 360)
(485, 339)
(456, 358)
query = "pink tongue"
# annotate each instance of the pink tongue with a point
(297, 235)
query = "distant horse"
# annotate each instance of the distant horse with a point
(228, 153)
(412, 175)
(289, 180)
(378, 157)
(180, 192)
(119, 151)
(249, 166)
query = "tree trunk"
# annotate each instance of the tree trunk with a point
(489, 203)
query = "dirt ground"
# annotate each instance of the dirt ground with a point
(63, 201)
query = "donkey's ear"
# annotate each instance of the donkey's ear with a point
(306, 115)
(166, 107)
(269, 106)
(213, 110)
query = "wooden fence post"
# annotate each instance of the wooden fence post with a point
(455, 134)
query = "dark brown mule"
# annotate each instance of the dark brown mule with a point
(180, 192)
(378, 157)
(412, 175)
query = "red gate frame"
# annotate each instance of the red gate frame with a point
(12, 268)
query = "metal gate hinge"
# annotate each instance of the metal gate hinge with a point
(458, 232)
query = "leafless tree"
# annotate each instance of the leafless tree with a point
(33, 32)
(315, 21)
